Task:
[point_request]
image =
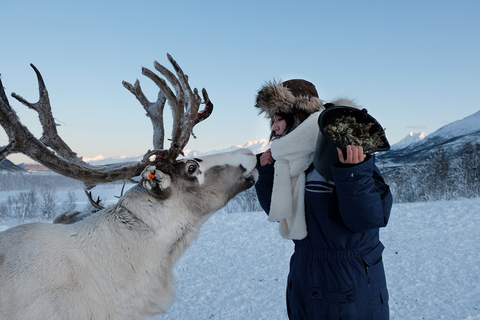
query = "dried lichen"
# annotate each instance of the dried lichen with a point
(347, 131)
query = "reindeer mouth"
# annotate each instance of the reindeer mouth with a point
(251, 178)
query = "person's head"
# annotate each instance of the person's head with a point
(292, 101)
(281, 124)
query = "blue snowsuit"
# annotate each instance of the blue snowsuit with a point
(337, 272)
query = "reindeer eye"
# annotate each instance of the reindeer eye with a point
(191, 169)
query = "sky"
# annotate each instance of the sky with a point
(414, 65)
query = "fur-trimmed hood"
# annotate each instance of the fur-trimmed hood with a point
(295, 96)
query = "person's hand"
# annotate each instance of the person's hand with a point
(266, 158)
(354, 155)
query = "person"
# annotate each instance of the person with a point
(336, 270)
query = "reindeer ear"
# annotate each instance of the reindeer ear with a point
(154, 178)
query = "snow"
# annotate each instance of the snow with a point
(237, 268)
(465, 126)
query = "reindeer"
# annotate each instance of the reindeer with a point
(116, 263)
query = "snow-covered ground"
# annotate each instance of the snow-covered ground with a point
(237, 268)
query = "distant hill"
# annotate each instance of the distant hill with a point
(34, 167)
(8, 166)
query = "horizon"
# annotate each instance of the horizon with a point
(248, 144)
(412, 65)
(405, 141)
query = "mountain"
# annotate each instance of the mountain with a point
(412, 137)
(451, 138)
(255, 146)
(34, 167)
(101, 160)
(8, 166)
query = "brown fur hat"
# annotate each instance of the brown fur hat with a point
(295, 96)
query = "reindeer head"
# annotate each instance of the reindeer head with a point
(205, 184)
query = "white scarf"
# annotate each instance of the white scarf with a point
(293, 155)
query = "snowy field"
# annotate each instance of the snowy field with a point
(238, 267)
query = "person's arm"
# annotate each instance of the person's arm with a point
(264, 185)
(364, 199)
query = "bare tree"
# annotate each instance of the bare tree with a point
(70, 203)
(23, 206)
(3, 211)
(244, 202)
(467, 164)
(49, 205)
(117, 263)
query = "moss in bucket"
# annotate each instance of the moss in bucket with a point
(346, 131)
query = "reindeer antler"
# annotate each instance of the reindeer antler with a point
(184, 104)
(52, 152)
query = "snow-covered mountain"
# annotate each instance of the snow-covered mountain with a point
(255, 146)
(412, 137)
(101, 160)
(451, 138)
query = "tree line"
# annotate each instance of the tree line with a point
(37, 197)
(40, 205)
(444, 175)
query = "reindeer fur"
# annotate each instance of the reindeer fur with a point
(117, 263)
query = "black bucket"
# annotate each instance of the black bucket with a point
(326, 150)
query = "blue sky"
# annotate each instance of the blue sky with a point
(415, 65)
